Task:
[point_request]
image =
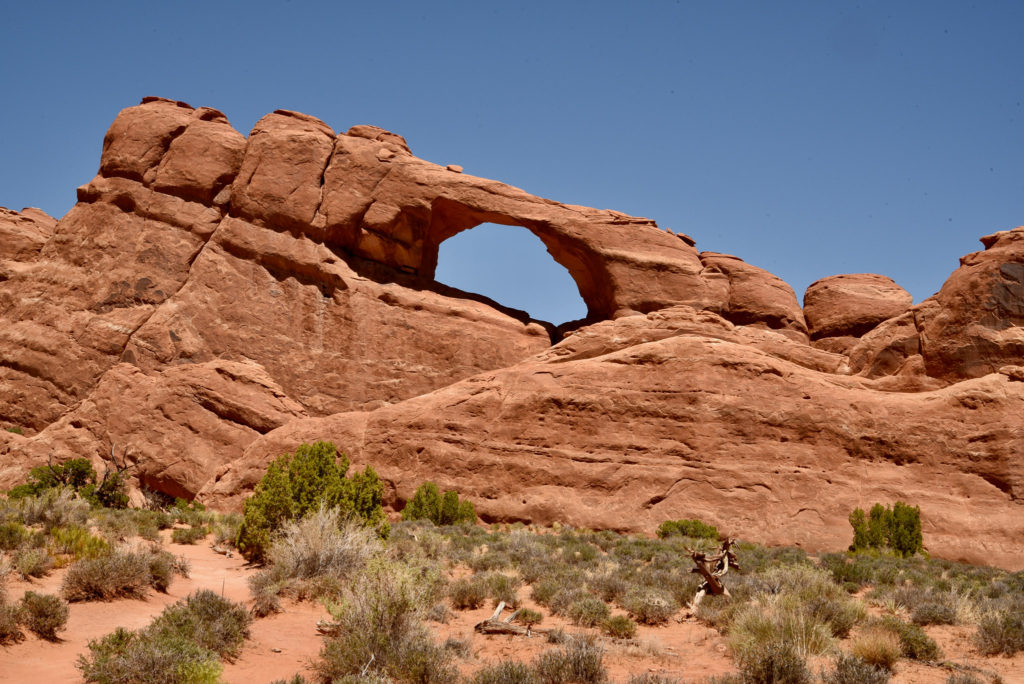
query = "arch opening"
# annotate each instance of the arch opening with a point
(512, 266)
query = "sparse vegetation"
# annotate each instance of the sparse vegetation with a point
(687, 528)
(184, 644)
(314, 556)
(296, 484)
(119, 574)
(1002, 632)
(619, 627)
(849, 669)
(380, 630)
(189, 535)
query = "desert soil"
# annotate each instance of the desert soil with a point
(286, 643)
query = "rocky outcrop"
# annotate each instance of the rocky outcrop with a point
(852, 304)
(23, 234)
(213, 300)
(750, 295)
(680, 414)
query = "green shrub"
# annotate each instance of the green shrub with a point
(609, 586)
(44, 614)
(528, 617)
(77, 542)
(205, 618)
(182, 645)
(619, 627)
(839, 613)
(118, 574)
(467, 593)
(296, 484)
(649, 606)
(32, 562)
(506, 672)
(502, 587)
(588, 611)
(965, 678)
(12, 535)
(77, 475)
(10, 621)
(878, 646)
(687, 528)
(848, 669)
(189, 535)
(16, 430)
(428, 503)
(914, 643)
(898, 528)
(1001, 633)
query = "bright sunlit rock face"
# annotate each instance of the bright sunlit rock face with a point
(214, 300)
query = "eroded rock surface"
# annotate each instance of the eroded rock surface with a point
(213, 300)
(852, 304)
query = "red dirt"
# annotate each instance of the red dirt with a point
(285, 644)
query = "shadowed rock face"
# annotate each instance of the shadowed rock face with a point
(214, 300)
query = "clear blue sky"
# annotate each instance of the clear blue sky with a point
(809, 138)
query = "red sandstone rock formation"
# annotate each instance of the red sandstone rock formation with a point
(213, 300)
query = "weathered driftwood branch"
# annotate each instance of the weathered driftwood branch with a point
(495, 625)
(712, 568)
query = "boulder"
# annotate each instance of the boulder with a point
(852, 304)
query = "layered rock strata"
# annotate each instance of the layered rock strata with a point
(213, 300)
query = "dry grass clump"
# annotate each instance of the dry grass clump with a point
(914, 642)
(32, 562)
(77, 542)
(773, 663)
(849, 669)
(506, 672)
(502, 587)
(1002, 632)
(10, 630)
(120, 573)
(379, 629)
(57, 507)
(313, 556)
(580, 661)
(877, 646)
(778, 620)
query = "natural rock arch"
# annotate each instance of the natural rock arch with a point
(448, 218)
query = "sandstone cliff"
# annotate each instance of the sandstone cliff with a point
(213, 300)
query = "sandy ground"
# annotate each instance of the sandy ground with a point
(285, 644)
(278, 647)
